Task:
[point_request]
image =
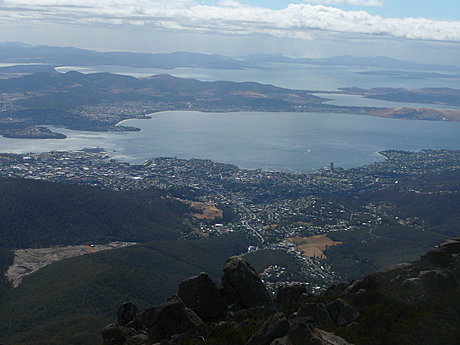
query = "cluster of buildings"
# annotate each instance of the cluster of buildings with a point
(270, 206)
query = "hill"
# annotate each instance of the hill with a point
(11, 52)
(74, 99)
(67, 302)
(40, 214)
(414, 215)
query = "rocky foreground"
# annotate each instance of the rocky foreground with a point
(402, 304)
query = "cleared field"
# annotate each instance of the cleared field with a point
(206, 210)
(313, 246)
(27, 261)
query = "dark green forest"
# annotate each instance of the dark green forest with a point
(37, 214)
(69, 301)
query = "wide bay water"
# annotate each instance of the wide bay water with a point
(288, 141)
(293, 76)
(285, 141)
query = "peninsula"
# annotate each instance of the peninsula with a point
(99, 101)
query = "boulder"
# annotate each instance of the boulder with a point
(276, 327)
(437, 280)
(329, 338)
(397, 267)
(202, 295)
(116, 334)
(450, 246)
(280, 341)
(140, 339)
(301, 333)
(290, 293)
(316, 313)
(183, 339)
(126, 313)
(170, 318)
(305, 298)
(342, 313)
(242, 285)
(336, 289)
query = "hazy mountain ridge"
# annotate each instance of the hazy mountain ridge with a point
(18, 52)
(347, 60)
(12, 52)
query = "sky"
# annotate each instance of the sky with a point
(419, 30)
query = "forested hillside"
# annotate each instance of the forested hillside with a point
(39, 214)
(69, 301)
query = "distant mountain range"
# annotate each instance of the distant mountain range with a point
(22, 53)
(347, 60)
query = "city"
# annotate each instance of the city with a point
(277, 210)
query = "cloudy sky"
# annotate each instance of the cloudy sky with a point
(422, 30)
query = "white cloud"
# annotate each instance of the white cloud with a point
(230, 17)
(348, 2)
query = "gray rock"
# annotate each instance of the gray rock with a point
(186, 338)
(280, 341)
(413, 282)
(242, 285)
(316, 312)
(437, 280)
(117, 334)
(170, 318)
(330, 338)
(353, 287)
(202, 295)
(276, 327)
(450, 246)
(336, 289)
(126, 313)
(305, 298)
(397, 267)
(342, 313)
(302, 333)
(140, 339)
(290, 293)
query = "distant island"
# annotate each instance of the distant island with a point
(99, 101)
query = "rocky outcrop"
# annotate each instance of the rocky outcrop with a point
(139, 339)
(315, 313)
(115, 334)
(436, 281)
(274, 328)
(337, 313)
(242, 285)
(243, 298)
(302, 333)
(171, 318)
(202, 295)
(290, 293)
(450, 246)
(126, 313)
(240, 310)
(342, 313)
